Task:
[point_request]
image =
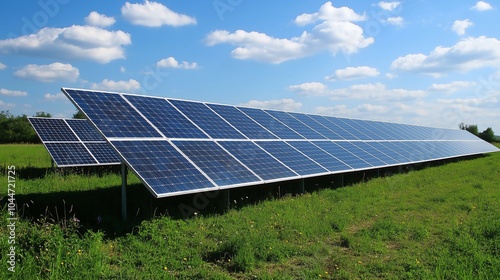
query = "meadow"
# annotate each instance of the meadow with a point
(438, 221)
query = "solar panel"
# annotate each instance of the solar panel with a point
(74, 142)
(178, 146)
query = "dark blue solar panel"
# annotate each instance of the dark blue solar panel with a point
(241, 122)
(103, 152)
(369, 130)
(165, 117)
(84, 130)
(413, 150)
(375, 152)
(342, 154)
(207, 120)
(52, 129)
(388, 151)
(112, 115)
(314, 124)
(433, 149)
(353, 127)
(291, 157)
(220, 166)
(340, 128)
(386, 132)
(361, 153)
(320, 156)
(162, 167)
(402, 149)
(295, 125)
(65, 154)
(257, 160)
(271, 124)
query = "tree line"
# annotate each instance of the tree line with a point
(486, 135)
(17, 129)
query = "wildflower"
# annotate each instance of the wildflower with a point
(165, 268)
(300, 233)
(68, 253)
(360, 262)
(417, 260)
(229, 260)
(185, 259)
(62, 263)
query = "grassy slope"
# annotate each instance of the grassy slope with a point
(440, 222)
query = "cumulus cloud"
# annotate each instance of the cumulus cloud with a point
(55, 97)
(100, 20)
(451, 87)
(127, 86)
(7, 92)
(470, 53)
(4, 105)
(49, 73)
(334, 34)
(279, 104)
(394, 21)
(377, 91)
(2, 66)
(154, 14)
(482, 6)
(73, 43)
(352, 73)
(459, 26)
(389, 6)
(171, 62)
(327, 12)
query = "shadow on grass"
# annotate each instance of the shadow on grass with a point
(100, 209)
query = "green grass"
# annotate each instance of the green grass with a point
(441, 222)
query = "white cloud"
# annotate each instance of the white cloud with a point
(55, 97)
(394, 21)
(4, 105)
(171, 62)
(100, 20)
(154, 14)
(377, 91)
(122, 69)
(280, 104)
(333, 34)
(49, 73)
(451, 87)
(352, 73)
(2, 66)
(7, 92)
(459, 26)
(482, 6)
(327, 12)
(389, 6)
(470, 53)
(127, 86)
(75, 42)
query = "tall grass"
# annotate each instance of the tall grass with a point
(436, 223)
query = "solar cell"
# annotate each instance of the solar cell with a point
(207, 120)
(263, 164)
(102, 152)
(331, 123)
(314, 124)
(84, 130)
(220, 166)
(270, 123)
(342, 154)
(242, 122)
(162, 167)
(352, 127)
(361, 153)
(165, 117)
(112, 114)
(295, 124)
(320, 156)
(52, 129)
(375, 152)
(388, 151)
(291, 157)
(65, 154)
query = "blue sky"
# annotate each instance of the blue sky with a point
(434, 63)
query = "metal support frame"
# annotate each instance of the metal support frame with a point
(124, 192)
(302, 187)
(52, 163)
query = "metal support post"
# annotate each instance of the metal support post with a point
(124, 192)
(302, 187)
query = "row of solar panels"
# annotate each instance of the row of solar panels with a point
(133, 116)
(72, 142)
(179, 147)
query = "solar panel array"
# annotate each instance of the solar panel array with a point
(72, 142)
(177, 147)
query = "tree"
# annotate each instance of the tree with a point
(487, 135)
(472, 128)
(79, 115)
(42, 115)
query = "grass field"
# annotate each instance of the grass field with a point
(439, 222)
